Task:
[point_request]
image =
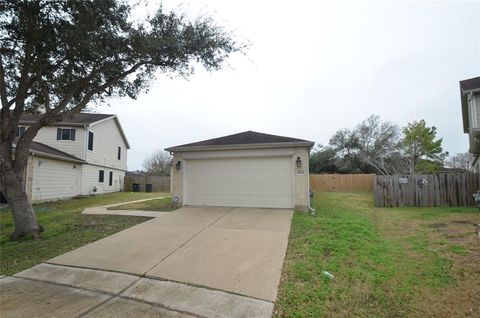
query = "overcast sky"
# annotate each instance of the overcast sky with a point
(315, 67)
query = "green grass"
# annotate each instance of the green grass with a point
(162, 205)
(65, 229)
(385, 261)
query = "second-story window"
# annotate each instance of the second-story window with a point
(90, 140)
(66, 134)
(20, 131)
(119, 153)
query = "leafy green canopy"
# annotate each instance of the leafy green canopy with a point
(63, 54)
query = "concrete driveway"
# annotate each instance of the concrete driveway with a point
(239, 250)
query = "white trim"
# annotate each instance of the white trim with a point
(293, 167)
(474, 110)
(308, 179)
(104, 166)
(184, 184)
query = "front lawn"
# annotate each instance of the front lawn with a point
(65, 229)
(162, 205)
(387, 262)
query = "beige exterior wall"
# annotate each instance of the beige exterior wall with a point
(106, 140)
(54, 179)
(48, 136)
(302, 181)
(90, 179)
(176, 178)
(300, 175)
(50, 179)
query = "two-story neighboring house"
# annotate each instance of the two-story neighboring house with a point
(470, 99)
(81, 155)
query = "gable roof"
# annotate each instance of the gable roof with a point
(470, 85)
(50, 152)
(76, 120)
(246, 139)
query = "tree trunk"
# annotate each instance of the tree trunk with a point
(22, 211)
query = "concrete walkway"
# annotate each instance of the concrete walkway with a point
(104, 209)
(195, 261)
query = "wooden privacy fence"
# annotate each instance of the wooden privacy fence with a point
(341, 182)
(140, 183)
(444, 189)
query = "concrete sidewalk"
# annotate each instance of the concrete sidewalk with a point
(58, 291)
(104, 209)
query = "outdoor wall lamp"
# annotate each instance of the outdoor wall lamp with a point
(177, 165)
(299, 162)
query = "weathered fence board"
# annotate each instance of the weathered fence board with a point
(342, 182)
(159, 183)
(444, 189)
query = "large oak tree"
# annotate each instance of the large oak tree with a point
(57, 57)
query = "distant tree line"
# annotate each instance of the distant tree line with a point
(382, 147)
(158, 163)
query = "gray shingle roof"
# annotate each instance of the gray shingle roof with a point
(78, 120)
(470, 84)
(40, 148)
(75, 120)
(243, 138)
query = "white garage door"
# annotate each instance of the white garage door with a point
(242, 182)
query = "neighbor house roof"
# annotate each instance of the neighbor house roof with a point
(80, 120)
(50, 152)
(471, 85)
(247, 139)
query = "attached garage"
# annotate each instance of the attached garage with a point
(249, 169)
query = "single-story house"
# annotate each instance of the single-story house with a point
(247, 169)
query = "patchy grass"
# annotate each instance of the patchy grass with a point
(163, 205)
(65, 229)
(387, 262)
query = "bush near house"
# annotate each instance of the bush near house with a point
(387, 262)
(65, 229)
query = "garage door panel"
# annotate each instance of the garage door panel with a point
(257, 182)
